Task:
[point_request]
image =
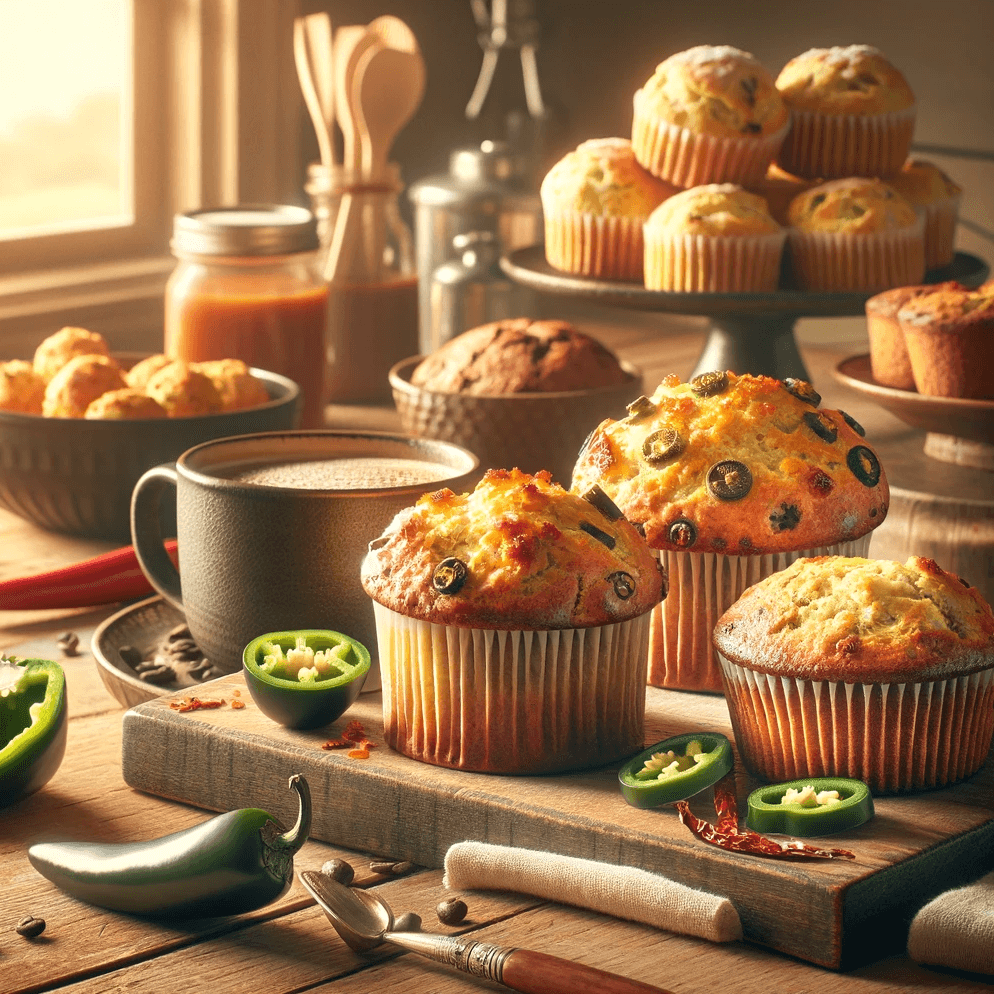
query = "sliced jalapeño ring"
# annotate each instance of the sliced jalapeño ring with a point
(715, 761)
(767, 813)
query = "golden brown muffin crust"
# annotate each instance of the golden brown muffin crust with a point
(78, 383)
(922, 183)
(519, 356)
(715, 209)
(854, 204)
(21, 388)
(860, 621)
(67, 343)
(184, 391)
(738, 465)
(950, 307)
(124, 404)
(518, 552)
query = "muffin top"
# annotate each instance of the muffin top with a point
(922, 183)
(856, 79)
(854, 205)
(888, 303)
(714, 90)
(738, 465)
(861, 621)
(714, 209)
(519, 356)
(518, 552)
(950, 307)
(601, 176)
(779, 187)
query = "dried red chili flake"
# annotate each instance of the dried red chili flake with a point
(726, 834)
(195, 704)
(354, 739)
(237, 705)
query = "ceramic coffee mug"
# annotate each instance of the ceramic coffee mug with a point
(272, 529)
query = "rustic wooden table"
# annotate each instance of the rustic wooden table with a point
(289, 946)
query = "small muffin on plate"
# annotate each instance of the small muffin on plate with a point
(855, 235)
(714, 238)
(21, 388)
(512, 625)
(78, 383)
(928, 189)
(184, 391)
(125, 404)
(595, 201)
(852, 113)
(710, 114)
(949, 334)
(141, 372)
(67, 343)
(235, 383)
(878, 670)
(731, 478)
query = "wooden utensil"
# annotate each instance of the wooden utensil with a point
(351, 43)
(394, 33)
(314, 58)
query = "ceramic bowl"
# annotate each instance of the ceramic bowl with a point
(530, 431)
(76, 475)
(304, 704)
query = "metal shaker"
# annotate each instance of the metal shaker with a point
(470, 290)
(484, 190)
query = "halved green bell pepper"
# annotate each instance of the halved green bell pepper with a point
(32, 725)
(768, 812)
(681, 777)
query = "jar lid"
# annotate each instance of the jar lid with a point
(248, 229)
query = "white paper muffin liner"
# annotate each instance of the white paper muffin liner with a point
(832, 146)
(894, 736)
(594, 245)
(844, 262)
(512, 701)
(702, 587)
(685, 158)
(940, 232)
(712, 263)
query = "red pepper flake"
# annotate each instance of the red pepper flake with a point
(361, 751)
(195, 704)
(354, 739)
(726, 834)
(237, 705)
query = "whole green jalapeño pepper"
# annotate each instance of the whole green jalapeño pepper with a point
(32, 725)
(230, 864)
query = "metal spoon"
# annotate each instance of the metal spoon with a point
(364, 920)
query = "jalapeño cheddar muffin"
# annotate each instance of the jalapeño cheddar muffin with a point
(711, 114)
(713, 238)
(595, 201)
(512, 625)
(928, 189)
(852, 113)
(78, 383)
(67, 343)
(855, 235)
(731, 478)
(861, 668)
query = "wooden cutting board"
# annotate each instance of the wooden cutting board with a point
(834, 913)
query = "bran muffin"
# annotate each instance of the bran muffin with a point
(852, 113)
(512, 625)
(731, 478)
(854, 235)
(710, 114)
(861, 668)
(928, 189)
(713, 238)
(595, 201)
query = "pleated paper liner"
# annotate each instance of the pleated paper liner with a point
(595, 246)
(712, 263)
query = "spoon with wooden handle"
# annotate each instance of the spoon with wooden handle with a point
(351, 42)
(312, 53)
(364, 920)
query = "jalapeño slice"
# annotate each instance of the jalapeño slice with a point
(768, 814)
(714, 762)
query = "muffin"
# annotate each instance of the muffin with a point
(711, 114)
(929, 190)
(78, 383)
(949, 335)
(125, 404)
(67, 343)
(889, 361)
(713, 238)
(731, 478)
(854, 235)
(184, 391)
(512, 624)
(21, 388)
(861, 668)
(851, 113)
(595, 201)
(235, 384)
(778, 188)
(141, 372)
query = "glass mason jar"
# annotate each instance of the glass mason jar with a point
(248, 285)
(372, 285)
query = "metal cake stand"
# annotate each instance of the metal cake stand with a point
(749, 332)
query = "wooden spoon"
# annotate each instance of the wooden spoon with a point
(313, 57)
(394, 33)
(351, 43)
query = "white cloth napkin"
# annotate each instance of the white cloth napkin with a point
(956, 929)
(620, 891)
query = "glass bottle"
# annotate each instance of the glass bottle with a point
(372, 289)
(247, 285)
